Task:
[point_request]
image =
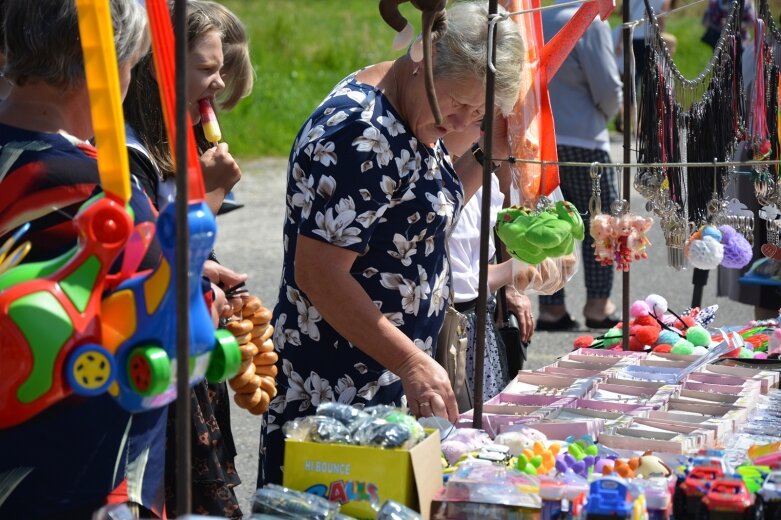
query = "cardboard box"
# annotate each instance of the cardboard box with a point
(361, 476)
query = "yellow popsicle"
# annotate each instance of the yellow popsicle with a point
(211, 128)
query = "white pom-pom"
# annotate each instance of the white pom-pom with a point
(416, 51)
(705, 254)
(699, 351)
(403, 38)
(657, 304)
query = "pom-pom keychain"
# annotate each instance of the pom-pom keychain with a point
(620, 238)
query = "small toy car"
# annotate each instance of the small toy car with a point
(608, 498)
(729, 499)
(686, 501)
(770, 495)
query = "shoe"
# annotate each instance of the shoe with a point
(563, 324)
(608, 322)
(229, 204)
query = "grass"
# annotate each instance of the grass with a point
(301, 49)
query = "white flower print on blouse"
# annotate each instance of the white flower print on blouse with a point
(373, 141)
(336, 229)
(296, 390)
(345, 390)
(309, 134)
(407, 164)
(411, 292)
(306, 194)
(440, 294)
(405, 249)
(318, 388)
(425, 346)
(324, 153)
(308, 315)
(369, 390)
(283, 336)
(393, 125)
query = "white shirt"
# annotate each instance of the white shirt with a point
(464, 243)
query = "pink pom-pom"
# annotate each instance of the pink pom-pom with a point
(639, 308)
(760, 355)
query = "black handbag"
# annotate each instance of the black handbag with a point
(508, 329)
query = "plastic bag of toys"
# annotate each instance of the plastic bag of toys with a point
(544, 243)
(336, 423)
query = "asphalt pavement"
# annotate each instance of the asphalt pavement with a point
(250, 240)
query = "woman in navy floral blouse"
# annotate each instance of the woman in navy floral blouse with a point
(371, 197)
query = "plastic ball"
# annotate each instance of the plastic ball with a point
(639, 308)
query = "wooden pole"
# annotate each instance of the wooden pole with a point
(629, 83)
(183, 411)
(485, 233)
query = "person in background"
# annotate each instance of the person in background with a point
(464, 253)
(585, 93)
(715, 17)
(81, 453)
(219, 68)
(146, 127)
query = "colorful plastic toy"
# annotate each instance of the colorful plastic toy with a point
(729, 499)
(146, 345)
(609, 499)
(770, 494)
(50, 331)
(686, 501)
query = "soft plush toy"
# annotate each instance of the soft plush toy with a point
(619, 240)
(520, 439)
(534, 236)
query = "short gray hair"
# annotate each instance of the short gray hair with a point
(462, 50)
(42, 39)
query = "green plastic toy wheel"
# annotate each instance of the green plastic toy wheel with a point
(148, 370)
(225, 358)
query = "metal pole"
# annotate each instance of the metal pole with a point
(629, 84)
(183, 411)
(485, 233)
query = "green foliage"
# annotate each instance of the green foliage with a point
(300, 50)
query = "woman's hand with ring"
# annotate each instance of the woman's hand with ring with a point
(427, 387)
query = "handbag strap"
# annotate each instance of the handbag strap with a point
(501, 300)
